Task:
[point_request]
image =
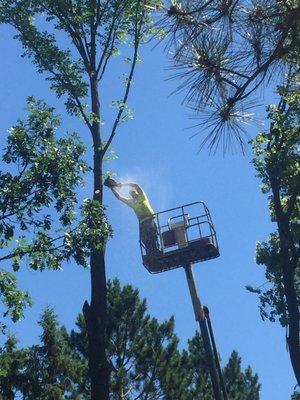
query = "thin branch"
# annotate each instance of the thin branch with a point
(231, 71)
(239, 93)
(68, 85)
(5, 216)
(75, 35)
(109, 43)
(255, 86)
(106, 46)
(32, 251)
(107, 58)
(128, 85)
(99, 14)
(80, 107)
(75, 98)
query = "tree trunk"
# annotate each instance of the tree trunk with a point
(95, 316)
(289, 265)
(293, 311)
(288, 272)
(96, 313)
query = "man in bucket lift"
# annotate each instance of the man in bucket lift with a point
(139, 202)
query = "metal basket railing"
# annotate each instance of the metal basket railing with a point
(184, 235)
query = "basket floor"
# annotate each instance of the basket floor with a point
(197, 250)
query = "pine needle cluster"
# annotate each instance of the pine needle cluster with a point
(225, 50)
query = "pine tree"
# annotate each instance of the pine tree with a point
(52, 369)
(239, 385)
(146, 362)
(12, 363)
(142, 352)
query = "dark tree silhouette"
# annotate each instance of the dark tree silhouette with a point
(277, 162)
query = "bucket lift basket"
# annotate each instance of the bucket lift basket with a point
(185, 235)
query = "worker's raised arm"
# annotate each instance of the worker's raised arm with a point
(119, 196)
(135, 186)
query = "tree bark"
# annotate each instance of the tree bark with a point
(293, 312)
(96, 313)
(289, 265)
(288, 272)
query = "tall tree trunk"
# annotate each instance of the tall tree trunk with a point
(289, 265)
(288, 272)
(293, 311)
(96, 313)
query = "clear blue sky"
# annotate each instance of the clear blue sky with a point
(155, 150)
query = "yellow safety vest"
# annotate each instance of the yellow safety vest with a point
(141, 206)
